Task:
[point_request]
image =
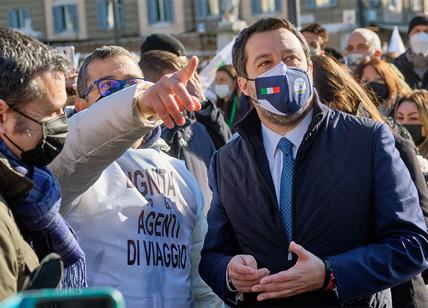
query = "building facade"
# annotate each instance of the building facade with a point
(91, 23)
(27, 16)
(339, 17)
(387, 14)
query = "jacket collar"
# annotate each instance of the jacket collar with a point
(13, 184)
(250, 126)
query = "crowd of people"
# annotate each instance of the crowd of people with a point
(303, 183)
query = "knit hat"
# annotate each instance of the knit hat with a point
(417, 21)
(166, 42)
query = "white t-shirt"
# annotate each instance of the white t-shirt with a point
(137, 225)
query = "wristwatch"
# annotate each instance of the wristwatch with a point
(330, 281)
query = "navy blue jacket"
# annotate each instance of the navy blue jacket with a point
(354, 203)
(192, 143)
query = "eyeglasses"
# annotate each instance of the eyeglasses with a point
(109, 86)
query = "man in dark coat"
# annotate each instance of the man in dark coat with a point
(311, 207)
(413, 64)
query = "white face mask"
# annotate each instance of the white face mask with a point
(419, 43)
(221, 90)
(352, 60)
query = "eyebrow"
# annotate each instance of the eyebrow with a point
(263, 56)
(267, 55)
(132, 76)
(105, 77)
(128, 76)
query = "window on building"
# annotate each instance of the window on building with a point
(18, 18)
(315, 4)
(160, 11)
(65, 18)
(395, 6)
(266, 7)
(208, 8)
(106, 14)
(375, 4)
(416, 5)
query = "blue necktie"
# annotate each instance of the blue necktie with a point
(286, 189)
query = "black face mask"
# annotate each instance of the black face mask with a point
(380, 89)
(54, 134)
(415, 131)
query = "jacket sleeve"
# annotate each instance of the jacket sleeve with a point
(220, 243)
(96, 137)
(9, 267)
(400, 246)
(408, 155)
(212, 118)
(204, 296)
(17, 258)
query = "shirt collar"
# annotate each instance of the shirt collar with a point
(295, 136)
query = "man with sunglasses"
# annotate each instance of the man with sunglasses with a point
(141, 224)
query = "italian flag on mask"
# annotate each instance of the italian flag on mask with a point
(271, 90)
(283, 90)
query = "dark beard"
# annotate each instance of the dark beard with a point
(285, 120)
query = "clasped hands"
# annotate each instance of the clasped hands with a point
(308, 274)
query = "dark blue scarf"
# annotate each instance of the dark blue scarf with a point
(38, 211)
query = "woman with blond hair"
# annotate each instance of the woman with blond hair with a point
(340, 91)
(412, 113)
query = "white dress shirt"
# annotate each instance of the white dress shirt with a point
(274, 154)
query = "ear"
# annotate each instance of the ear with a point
(310, 71)
(3, 115)
(310, 66)
(243, 85)
(80, 104)
(377, 54)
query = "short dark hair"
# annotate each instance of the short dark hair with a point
(317, 29)
(21, 57)
(154, 62)
(98, 54)
(239, 56)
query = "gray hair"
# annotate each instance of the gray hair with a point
(98, 54)
(371, 37)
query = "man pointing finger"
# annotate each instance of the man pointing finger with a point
(169, 96)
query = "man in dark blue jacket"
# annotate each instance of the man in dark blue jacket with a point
(302, 173)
